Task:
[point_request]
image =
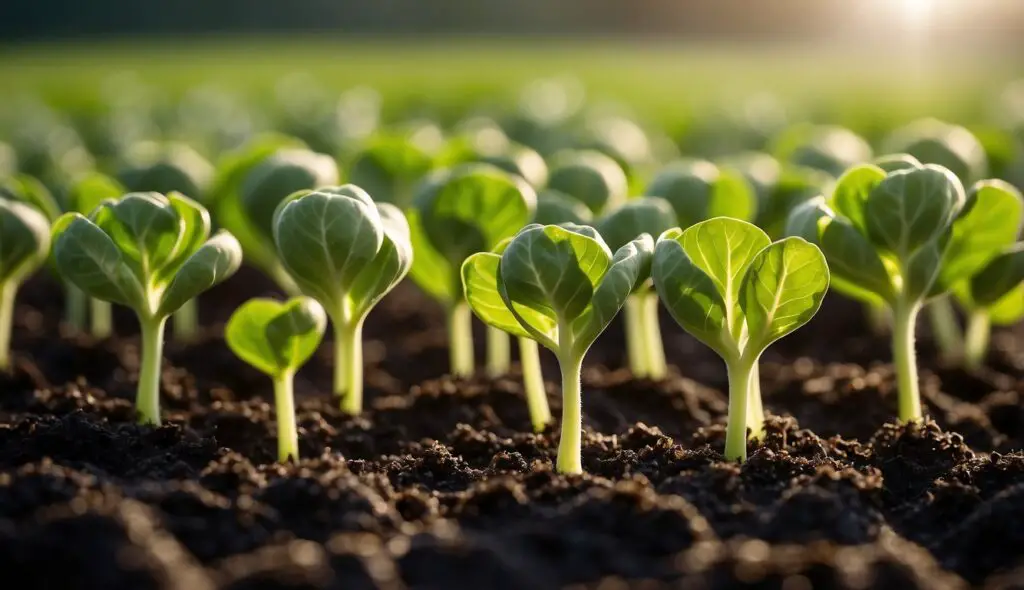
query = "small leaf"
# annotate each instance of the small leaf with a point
(911, 207)
(554, 207)
(852, 190)
(276, 178)
(894, 162)
(24, 239)
(389, 266)
(90, 191)
(211, 264)
(480, 277)
(591, 177)
(698, 190)
(1000, 276)
(855, 266)
(276, 337)
(144, 227)
(646, 215)
(30, 191)
(1009, 309)
(689, 294)
(388, 167)
(431, 271)
(89, 259)
(934, 142)
(166, 168)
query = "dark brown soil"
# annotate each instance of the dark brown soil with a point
(442, 485)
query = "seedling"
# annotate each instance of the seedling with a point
(886, 237)
(457, 213)
(726, 283)
(24, 245)
(555, 207)
(828, 148)
(591, 177)
(491, 146)
(277, 339)
(389, 166)
(698, 190)
(652, 216)
(993, 296)
(561, 286)
(149, 252)
(346, 252)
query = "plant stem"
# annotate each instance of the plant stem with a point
(755, 405)
(151, 348)
(287, 432)
(636, 353)
(946, 330)
(499, 352)
(533, 384)
(655, 349)
(101, 318)
(186, 322)
(76, 305)
(905, 359)
(979, 327)
(739, 394)
(460, 339)
(348, 365)
(8, 290)
(570, 441)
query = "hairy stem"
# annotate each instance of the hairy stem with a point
(739, 395)
(76, 307)
(499, 352)
(8, 290)
(460, 339)
(287, 432)
(636, 347)
(101, 318)
(755, 405)
(945, 329)
(570, 441)
(186, 322)
(656, 367)
(151, 348)
(348, 365)
(979, 327)
(533, 384)
(904, 358)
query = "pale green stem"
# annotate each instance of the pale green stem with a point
(879, 318)
(348, 365)
(76, 307)
(151, 348)
(287, 432)
(945, 329)
(979, 327)
(101, 318)
(186, 322)
(8, 291)
(499, 351)
(905, 359)
(533, 384)
(570, 441)
(656, 366)
(739, 394)
(460, 339)
(755, 405)
(635, 344)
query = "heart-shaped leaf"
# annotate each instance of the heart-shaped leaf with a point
(276, 337)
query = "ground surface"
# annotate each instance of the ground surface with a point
(441, 485)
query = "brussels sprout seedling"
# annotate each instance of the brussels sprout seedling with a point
(590, 177)
(457, 213)
(24, 245)
(698, 190)
(885, 237)
(389, 166)
(277, 338)
(652, 216)
(995, 295)
(828, 148)
(728, 285)
(346, 252)
(149, 252)
(555, 207)
(561, 286)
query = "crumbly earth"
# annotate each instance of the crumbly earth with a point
(441, 484)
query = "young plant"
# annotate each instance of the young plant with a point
(590, 177)
(561, 286)
(457, 213)
(732, 288)
(24, 245)
(277, 339)
(389, 166)
(885, 236)
(652, 216)
(151, 253)
(346, 252)
(698, 190)
(828, 148)
(555, 207)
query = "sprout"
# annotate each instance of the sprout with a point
(347, 253)
(24, 245)
(698, 190)
(995, 295)
(591, 177)
(555, 207)
(561, 286)
(489, 145)
(885, 237)
(277, 338)
(652, 216)
(934, 142)
(828, 148)
(169, 168)
(457, 213)
(151, 253)
(728, 285)
(389, 166)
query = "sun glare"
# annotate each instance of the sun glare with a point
(917, 13)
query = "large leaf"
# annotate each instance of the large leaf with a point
(480, 278)
(88, 258)
(856, 268)
(591, 177)
(646, 215)
(146, 229)
(388, 166)
(276, 337)
(689, 294)
(911, 207)
(430, 270)
(782, 290)
(852, 190)
(24, 239)
(211, 264)
(698, 190)
(389, 266)
(276, 178)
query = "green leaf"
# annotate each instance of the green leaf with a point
(166, 168)
(855, 266)
(29, 190)
(90, 191)
(554, 207)
(1000, 276)
(388, 167)
(590, 177)
(211, 264)
(276, 337)
(276, 178)
(782, 290)
(1009, 309)
(698, 190)
(894, 162)
(389, 267)
(828, 148)
(431, 271)
(795, 186)
(24, 240)
(480, 278)
(689, 294)
(911, 207)
(951, 146)
(646, 215)
(234, 166)
(89, 259)
(144, 227)
(852, 191)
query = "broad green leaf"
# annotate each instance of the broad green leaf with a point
(480, 278)
(698, 190)
(828, 148)
(389, 266)
(795, 186)
(1003, 273)
(388, 167)
(431, 271)
(145, 228)
(782, 290)
(554, 207)
(24, 239)
(911, 207)
(951, 146)
(646, 215)
(522, 161)
(591, 177)
(276, 337)
(1009, 309)
(234, 166)
(689, 294)
(29, 190)
(852, 190)
(894, 162)
(211, 264)
(195, 224)
(922, 269)
(855, 266)
(90, 191)
(166, 168)
(88, 258)
(276, 178)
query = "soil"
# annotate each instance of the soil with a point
(441, 484)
